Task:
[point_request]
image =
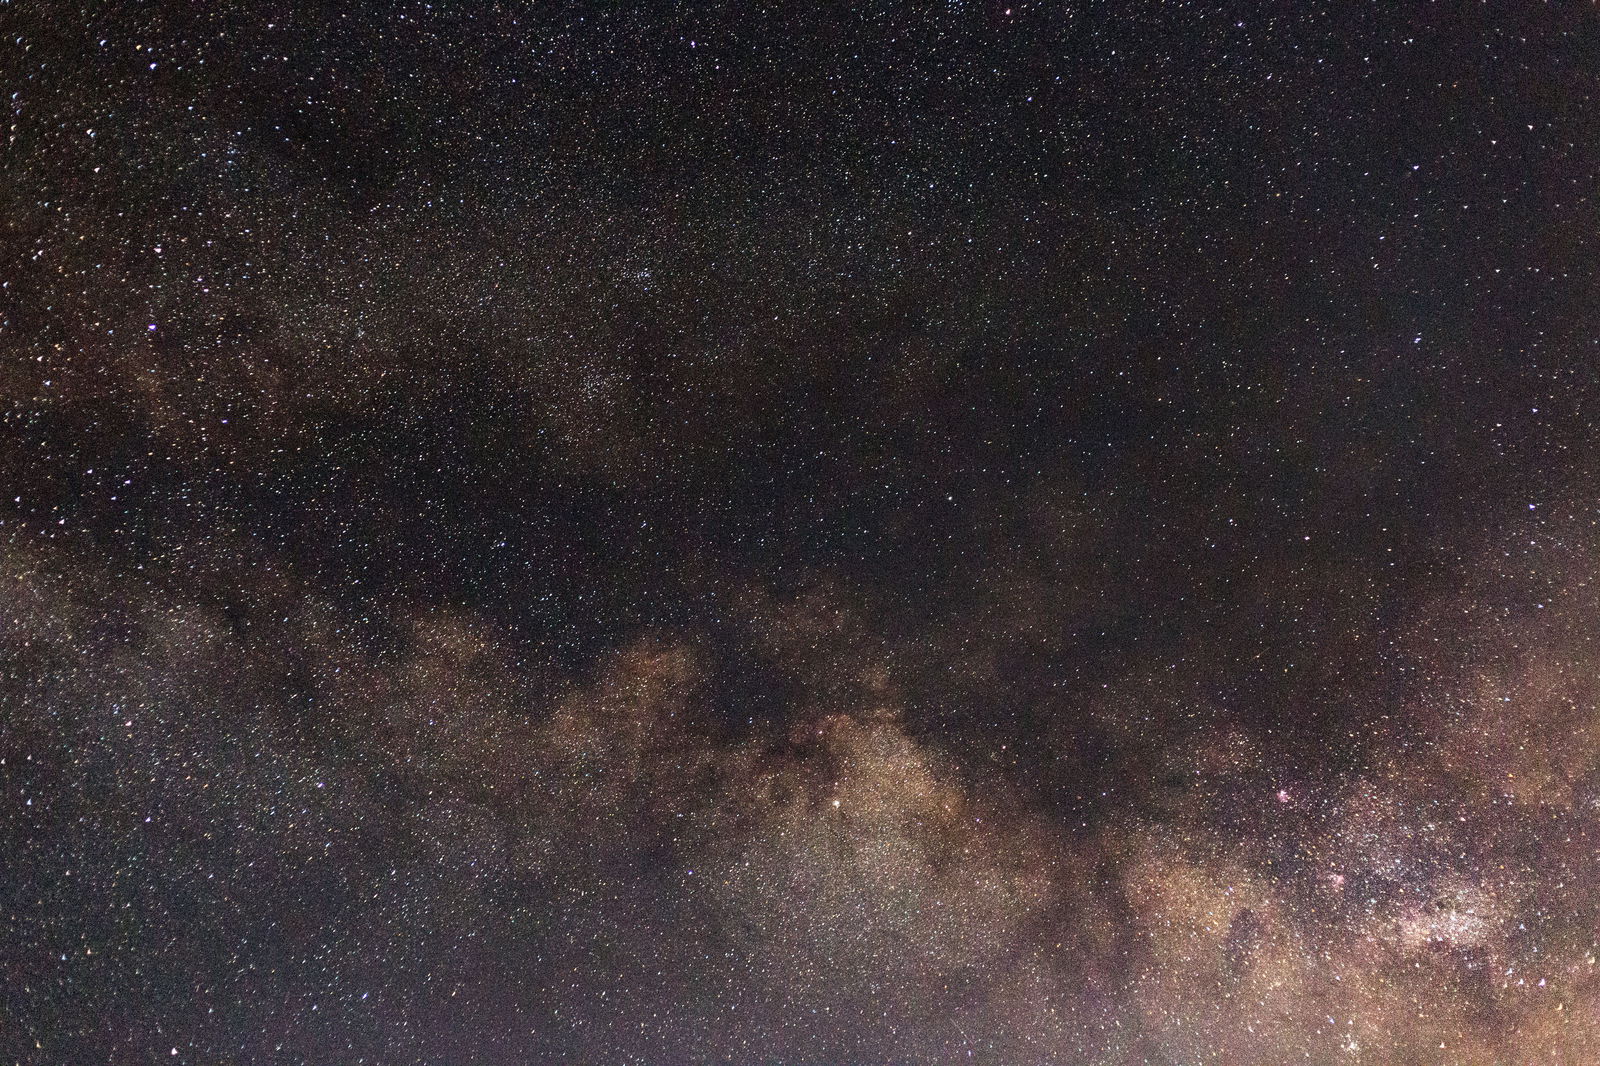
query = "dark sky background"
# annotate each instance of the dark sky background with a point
(1061, 533)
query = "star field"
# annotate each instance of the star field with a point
(768, 534)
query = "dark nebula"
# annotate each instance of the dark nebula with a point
(772, 533)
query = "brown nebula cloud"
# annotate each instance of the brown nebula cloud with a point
(460, 834)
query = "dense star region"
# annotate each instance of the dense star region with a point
(1039, 534)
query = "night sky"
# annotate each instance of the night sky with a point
(771, 533)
